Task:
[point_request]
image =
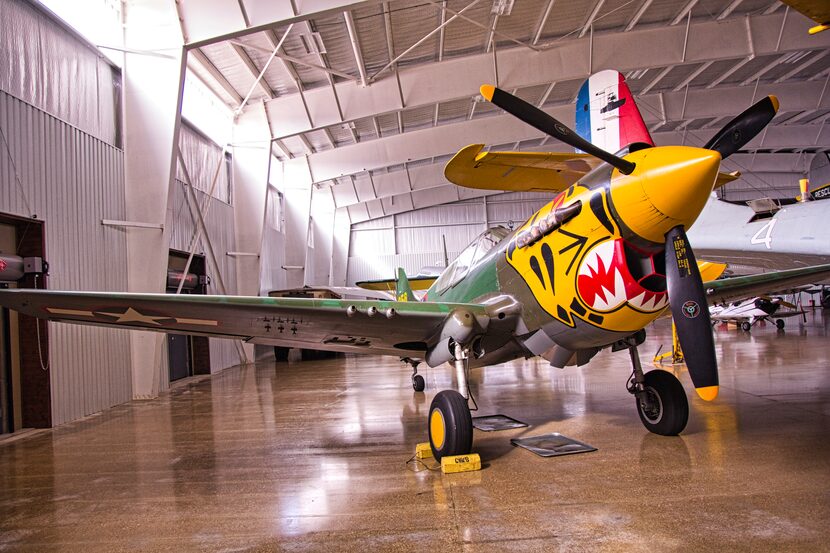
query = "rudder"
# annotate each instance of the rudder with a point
(607, 115)
(403, 291)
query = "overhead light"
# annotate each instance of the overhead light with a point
(502, 7)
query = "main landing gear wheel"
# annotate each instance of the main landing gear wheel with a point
(450, 425)
(662, 405)
(780, 324)
(745, 326)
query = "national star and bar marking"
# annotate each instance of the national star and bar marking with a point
(131, 316)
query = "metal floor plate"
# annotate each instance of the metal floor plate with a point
(552, 445)
(491, 423)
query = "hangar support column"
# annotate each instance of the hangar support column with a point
(251, 158)
(152, 85)
(340, 247)
(297, 186)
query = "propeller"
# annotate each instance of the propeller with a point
(537, 118)
(743, 128)
(690, 311)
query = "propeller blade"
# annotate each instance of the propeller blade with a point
(743, 128)
(690, 311)
(788, 305)
(537, 118)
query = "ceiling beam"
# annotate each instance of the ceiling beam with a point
(540, 26)
(591, 17)
(224, 20)
(358, 55)
(638, 14)
(505, 129)
(729, 9)
(684, 11)
(217, 75)
(456, 78)
(253, 70)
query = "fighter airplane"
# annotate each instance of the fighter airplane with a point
(587, 271)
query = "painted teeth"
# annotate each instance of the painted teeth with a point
(603, 252)
(654, 303)
(613, 297)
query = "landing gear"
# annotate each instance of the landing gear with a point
(450, 422)
(661, 401)
(745, 326)
(418, 382)
(779, 323)
(450, 425)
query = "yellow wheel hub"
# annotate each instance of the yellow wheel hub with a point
(437, 430)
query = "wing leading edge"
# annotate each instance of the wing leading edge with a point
(370, 326)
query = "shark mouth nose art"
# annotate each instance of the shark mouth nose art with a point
(612, 274)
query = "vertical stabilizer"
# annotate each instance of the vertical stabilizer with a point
(607, 115)
(403, 292)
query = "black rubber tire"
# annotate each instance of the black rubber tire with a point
(281, 353)
(672, 413)
(418, 383)
(780, 324)
(745, 326)
(451, 416)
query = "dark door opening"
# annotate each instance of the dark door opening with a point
(178, 356)
(6, 386)
(186, 355)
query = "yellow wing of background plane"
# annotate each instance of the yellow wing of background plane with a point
(390, 284)
(526, 171)
(518, 171)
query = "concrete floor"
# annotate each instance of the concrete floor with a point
(312, 456)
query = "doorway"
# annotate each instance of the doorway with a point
(186, 355)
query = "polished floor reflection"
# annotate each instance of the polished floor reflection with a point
(311, 456)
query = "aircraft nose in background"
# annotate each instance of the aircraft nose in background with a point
(670, 187)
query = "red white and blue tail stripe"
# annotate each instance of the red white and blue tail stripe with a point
(606, 114)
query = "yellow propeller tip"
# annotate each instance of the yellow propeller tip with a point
(487, 90)
(774, 100)
(818, 28)
(708, 393)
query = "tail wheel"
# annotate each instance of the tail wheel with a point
(450, 425)
(418, 383)
(662, 406)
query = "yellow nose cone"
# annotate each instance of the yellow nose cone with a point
(669, 186)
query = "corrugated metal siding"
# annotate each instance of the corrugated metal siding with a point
(49, 68)
(72, 181)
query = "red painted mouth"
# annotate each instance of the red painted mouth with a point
(608, 278)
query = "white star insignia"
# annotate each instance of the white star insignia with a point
(133, 316)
